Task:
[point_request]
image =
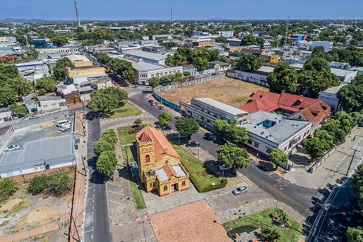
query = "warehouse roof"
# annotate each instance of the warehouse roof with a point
(221, 106)
(144, 54)
(50, 151)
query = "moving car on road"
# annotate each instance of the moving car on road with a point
(192, 144)
(240, 190)
(161, 107)
(12, 147)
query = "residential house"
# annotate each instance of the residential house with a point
(259, 78)
(31, 103)
(329, 96)
(49, 103)
(5, 115)
(219, 65)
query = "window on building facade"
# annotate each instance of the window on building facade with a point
(147, 158)
(151, 184)
(165, 188)
(183, 183)
(268, 150)
(249, 142)
(257, 145)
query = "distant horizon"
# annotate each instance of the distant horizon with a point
(160, 10)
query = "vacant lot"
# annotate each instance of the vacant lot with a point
(227, 90)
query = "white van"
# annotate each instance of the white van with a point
(62, 122)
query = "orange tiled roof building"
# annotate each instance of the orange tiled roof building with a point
(159, 164)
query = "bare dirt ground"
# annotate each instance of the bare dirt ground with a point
(227, 90)
(25, 211)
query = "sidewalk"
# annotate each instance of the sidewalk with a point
(333, 169)
(27, 234)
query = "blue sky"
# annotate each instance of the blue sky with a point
(182, 9)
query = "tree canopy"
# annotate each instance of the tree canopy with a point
(283, 79)
(233, 156)
(118, 67)
(153, 82)
(249, 63)
(59, 40)
(278, 156)
(248, 40)
(106, 163)
(351, 96)
(46, 83)
(59, 69)
(187, 126)
(231, 132)
(105, 100)
(164, 118)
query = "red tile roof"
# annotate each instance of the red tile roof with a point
(169, 171)
(144, 137)
(161, 144)
(314, 110)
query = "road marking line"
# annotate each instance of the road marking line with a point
(115, 202)
(88, 230)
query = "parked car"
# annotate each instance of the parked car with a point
(262, 168)
(33, 117)
(12, 147)
(153, 104)
(240, 190)
(168, 127)
(161, 107)
(151, 101)
(207, 136)
(177, 117)
(147, 91)
(192, 144)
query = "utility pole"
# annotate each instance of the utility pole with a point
(351, 161)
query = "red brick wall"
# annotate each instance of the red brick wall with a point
(27, 177)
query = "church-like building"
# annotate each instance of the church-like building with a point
(159, 164)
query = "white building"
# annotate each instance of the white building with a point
(143, 71)
(325, 44)
(138, 55)
(5, 115)
(329, 96)
(226, 34)
(259, 78)
(267, 131)
(51, 103)
(206, 111)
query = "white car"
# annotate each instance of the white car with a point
(12, 147)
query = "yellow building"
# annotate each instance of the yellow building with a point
(84, 71)
(272, 58)
(80, 60)
(80, 63)
(159, 164)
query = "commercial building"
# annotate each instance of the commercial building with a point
(207, 111)
(50, 103)
(325, 44)
(226, 34)
(37, 157)
(84, 71)
(33, 70)
(200, 41)
(138, 55)
(42, 43)
(219, 65)
(5, 115)
(79, 60)
(143, 71)
(267, 131)
(297, 37)
(159, 164)
(61, 50)
(329, 96)
(259, 78)
(289, 105)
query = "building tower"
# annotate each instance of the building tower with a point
(78, 20)
(171, 19)
(287, 32)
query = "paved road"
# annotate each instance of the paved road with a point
(96, 222)
(297, 197)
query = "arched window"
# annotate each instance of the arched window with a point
(183, 183)
(165, 188)
(147, 158)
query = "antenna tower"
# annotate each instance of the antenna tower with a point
(287, 30)
(78, 20)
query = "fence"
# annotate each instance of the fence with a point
(249, 77)
(166, 102)
(321, 161)
(187, 83)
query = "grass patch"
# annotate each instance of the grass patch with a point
(200, 175)
(249, 222)
(126, 110)
(127, 139)
(138, 199)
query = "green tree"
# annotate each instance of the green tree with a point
(106, 163)
(187, 126)
(186, 73)
(59, 69)
(46, 83)
(315, 147)
(59, 184)
(110, 136)
(357, 180)
(7, 95)
(164, 118)
(18, 109)
(138, 122)
(316, 76)
(59, 40)
(221, 39)
(201, 64)
(21, 86)
(101, 146)
(270, 234)
(107, 99)
(283, 78)
(249, 63)
(278, 156)
(323, 134)
(355, 234)
(233, 156)
(38, 184)
(350, 96)
(7, 188)
(248, 40)
(231, 132)
(153, 82)
(260, 42)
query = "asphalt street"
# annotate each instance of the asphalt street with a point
(297, 197)
(96, 222)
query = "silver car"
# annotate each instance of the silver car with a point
(12, 147)
(240, 190)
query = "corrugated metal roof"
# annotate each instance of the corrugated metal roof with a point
(162, 175)
(179, 171)
(50, 151)
(224, 107)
